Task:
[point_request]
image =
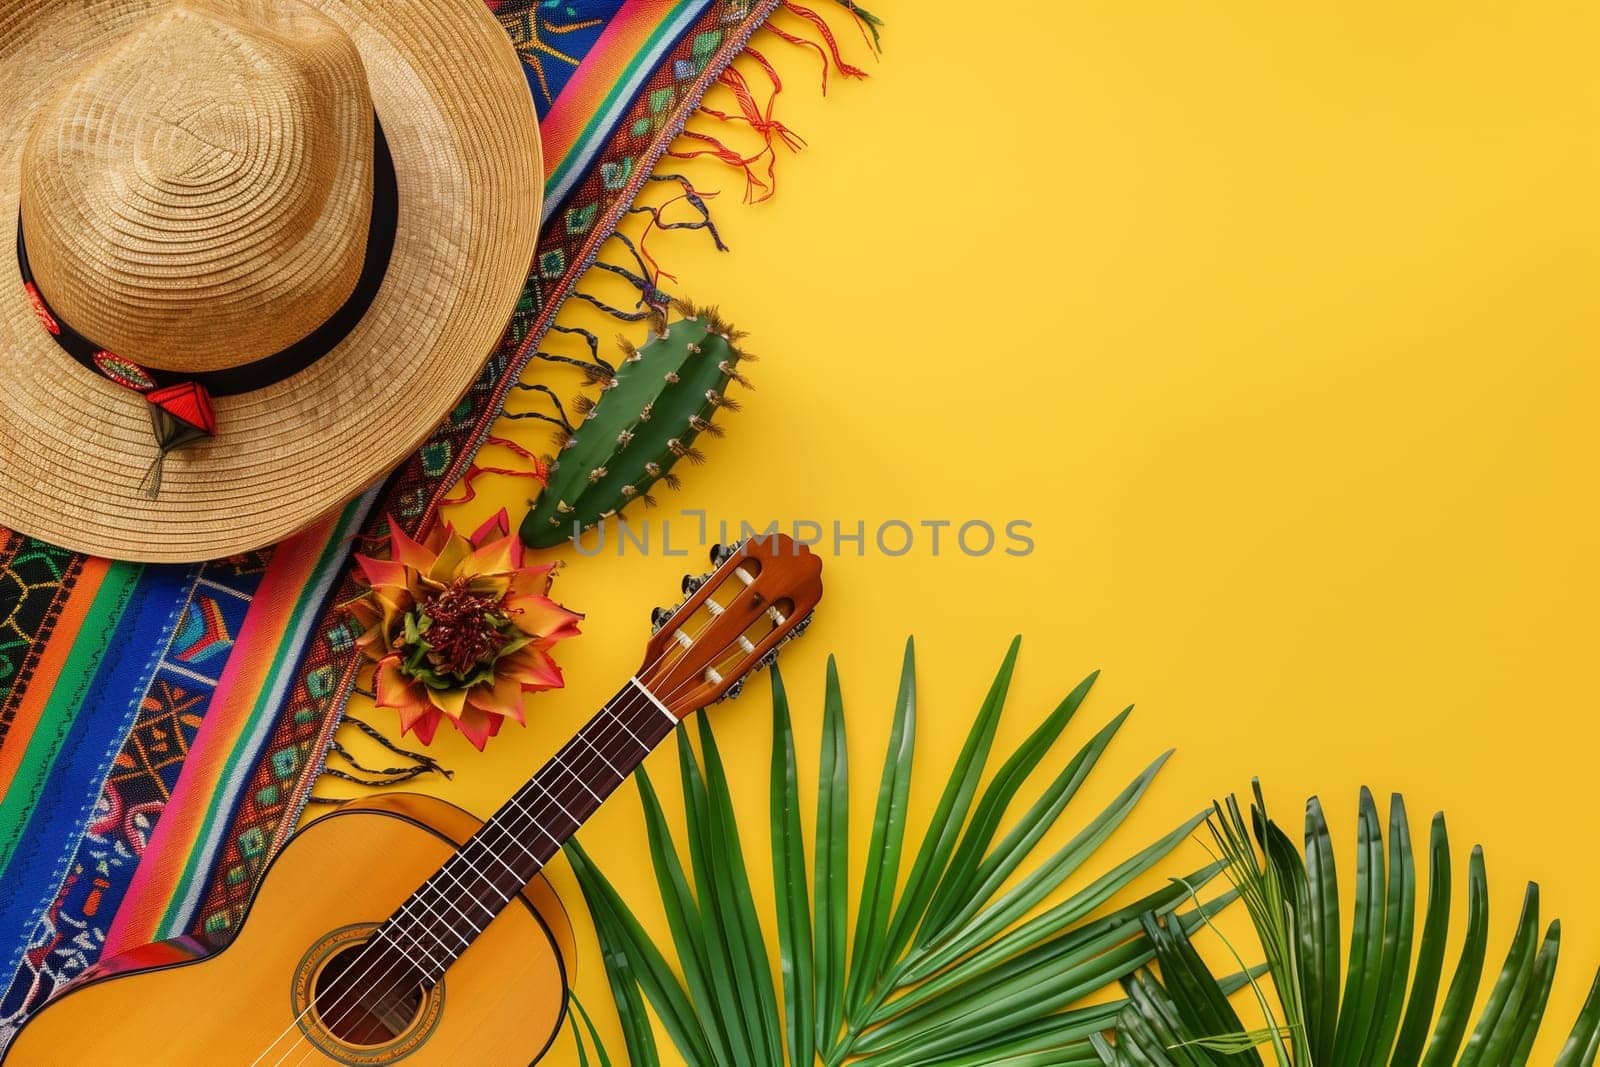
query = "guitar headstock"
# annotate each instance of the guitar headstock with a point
(761, 594)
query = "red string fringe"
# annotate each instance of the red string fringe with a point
(728, 157)
(772, 132)
(540, 472)
(846, 69)
(867, 35)
(759, 118)
(691, 195)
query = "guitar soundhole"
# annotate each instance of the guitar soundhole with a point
(359, 1011)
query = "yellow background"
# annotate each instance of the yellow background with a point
(1278, 324)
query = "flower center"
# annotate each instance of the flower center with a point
(465, 630)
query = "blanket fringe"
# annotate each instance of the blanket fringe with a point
(846, 69)
(644, 273)
(703, 221)
(418, 763)
(866, 22)
(760, 167)
(540, 471)
(688, 209)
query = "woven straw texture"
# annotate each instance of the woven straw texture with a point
(227, 145)
(161, 726)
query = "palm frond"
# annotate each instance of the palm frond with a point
(795, 943)
(1384, 1008)
(584, 1036)
(956, 957)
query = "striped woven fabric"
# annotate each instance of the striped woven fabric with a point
(161, 727)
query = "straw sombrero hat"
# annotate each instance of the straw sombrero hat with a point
(263, 248)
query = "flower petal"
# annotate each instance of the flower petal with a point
(372, 644)
(510, 690)
(543, 618)
(382, 572)
(405, 551)
(491, 585)
(423, 725)
(363, 610)
(477, 726)
(503, 698)
(532, 669)
(393, 688)
(449, 701)
(452, 554)
(532, 581)
(494, 557)
(497, 525)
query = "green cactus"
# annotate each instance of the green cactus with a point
(662, 397)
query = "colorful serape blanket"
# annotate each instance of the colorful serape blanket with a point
(161, 727)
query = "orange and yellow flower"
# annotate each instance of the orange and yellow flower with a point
(459, 629)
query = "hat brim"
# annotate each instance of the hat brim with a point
(74, 447)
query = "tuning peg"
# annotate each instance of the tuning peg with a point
(692, 583)
(659, 617)
(801, 626)
(734, 690)
(720, 554)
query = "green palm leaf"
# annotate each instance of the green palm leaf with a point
(945, 827)
(832, 865)
(737, 907)
(883, 853)
(1453, 1015)
(704, 986)
(737, 1004)
(789, 885)
(1182, 1019)
(584, 1035)
(1584, 1041)
(633, 964)
(956, 958)
(1430, 955)
(956, 888)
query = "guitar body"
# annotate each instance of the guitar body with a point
(501, 1003)
(469, 968)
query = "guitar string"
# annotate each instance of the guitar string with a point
(475, 864)
(426, 912)
(537, 818)
(534, 817)
(342, 1002)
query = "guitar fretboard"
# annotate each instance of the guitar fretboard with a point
(437, 922)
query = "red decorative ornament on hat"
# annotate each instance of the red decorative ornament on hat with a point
(47, 320)
(125, 372)
(179, 414)
(188, 406)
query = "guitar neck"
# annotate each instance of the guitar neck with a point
(732, 622)
(437, 922)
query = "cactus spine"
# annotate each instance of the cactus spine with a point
(649, 413)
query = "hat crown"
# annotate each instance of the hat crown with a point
(199, 197)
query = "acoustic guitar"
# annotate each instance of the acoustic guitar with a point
(401, 929)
